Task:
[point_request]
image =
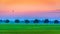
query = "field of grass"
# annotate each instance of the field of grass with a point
(29, 29)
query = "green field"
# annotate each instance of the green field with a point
(29, 29)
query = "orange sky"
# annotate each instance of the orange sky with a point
(29, 5)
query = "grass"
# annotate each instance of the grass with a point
(29, 29)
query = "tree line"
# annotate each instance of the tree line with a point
(28, 21)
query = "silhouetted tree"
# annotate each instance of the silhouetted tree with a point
(36, 21)
(17, 21)
(27, 21)
(7, 21)
(0, 20)
(56, 21)
(46, 21)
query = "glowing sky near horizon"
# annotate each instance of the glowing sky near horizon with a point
(28, 7)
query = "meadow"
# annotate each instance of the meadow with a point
(29, 28)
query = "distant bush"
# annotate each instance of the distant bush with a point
(36, 21)
(27, 21)
(7, 21)
(56, 21)
(17, 21)
(46, 21)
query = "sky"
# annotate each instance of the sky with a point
(29, 9)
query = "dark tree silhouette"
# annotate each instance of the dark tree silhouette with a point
(36, 21)
(46, 21)
(0, 20)
(17, 21)
(27, 21)
(7, 21)
(56, 21)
